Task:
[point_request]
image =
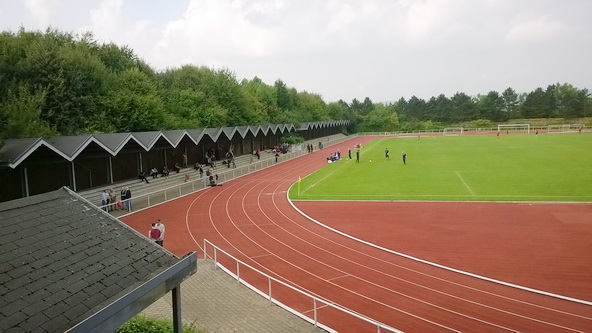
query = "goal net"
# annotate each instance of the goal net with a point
(565, 128)
(453, 131)
(514, 127)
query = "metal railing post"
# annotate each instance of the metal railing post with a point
(269, 289)
(314, 309)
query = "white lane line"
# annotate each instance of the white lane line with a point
(466, 185)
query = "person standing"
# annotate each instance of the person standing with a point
(184, 160)
(154, 233)
(112, 199)
(358, 156)
(104, 200)
(122, 196)
(386, 154)
(404, 158)
(161, 228)
(128, 198)
(349, 153)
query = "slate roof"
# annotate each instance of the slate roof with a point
(62, 259)
(15, 151)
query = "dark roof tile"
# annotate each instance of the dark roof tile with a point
(33, 322)
(13, 307)
(56, 309)
(12, 321)
(38, 295)
(54, 324)
(11, 295)
(38, 306)
(62, 260)
(17, 283)
(75, 311)
(38, 284)
(57, 298)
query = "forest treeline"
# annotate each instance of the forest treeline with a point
(58, 83)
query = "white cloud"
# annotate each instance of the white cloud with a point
(343, 49)
(535, 30)
(41, 10)
(219, 26)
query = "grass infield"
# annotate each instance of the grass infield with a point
(515, 167)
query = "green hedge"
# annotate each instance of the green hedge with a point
(142, 324)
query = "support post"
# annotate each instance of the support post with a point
(177, 321)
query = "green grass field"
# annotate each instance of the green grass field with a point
(515, 167)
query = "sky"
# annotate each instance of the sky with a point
(343, 49)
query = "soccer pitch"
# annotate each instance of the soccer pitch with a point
(515, 167)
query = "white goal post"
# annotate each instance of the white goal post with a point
(514, 127)
(565, 128)
(453, 131)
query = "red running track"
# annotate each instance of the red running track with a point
(540, 246)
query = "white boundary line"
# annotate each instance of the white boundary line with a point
(541, 292)
(465, 183)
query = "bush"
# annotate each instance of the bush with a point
(142, 324)
(292, 138)
(483, 123)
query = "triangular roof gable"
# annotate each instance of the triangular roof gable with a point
(174, 136)
(16, 150)
(264, 129)
(196, 134)
(254, 129)
(213, 133)
(229, 132)
(146, 139)
(243, 130)
(274, 128)
(70, 145)
(114, 142)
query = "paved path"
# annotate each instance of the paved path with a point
(213, 301)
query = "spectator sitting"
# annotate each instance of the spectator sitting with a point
(165, 171)
(142, 177)
(154, 172)
(176, 167)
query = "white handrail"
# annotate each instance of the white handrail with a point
(379, 326)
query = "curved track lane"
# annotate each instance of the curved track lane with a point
(251, 218)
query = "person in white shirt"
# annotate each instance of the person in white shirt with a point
(160, 227)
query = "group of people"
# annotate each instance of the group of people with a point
(334, 157)
(109, 200)
(156, 233)
(212, 177)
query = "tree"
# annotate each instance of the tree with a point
(310, 107)
(463, 108)
(381, 119)
(20, 115)
(134, 103)
(535, 104)
(439, 109)
(283, 97)
(491, 107)
(570, 101)
(510, 107)
(265, 99)
(416, 108)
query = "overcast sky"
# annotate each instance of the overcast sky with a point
(344, 49)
